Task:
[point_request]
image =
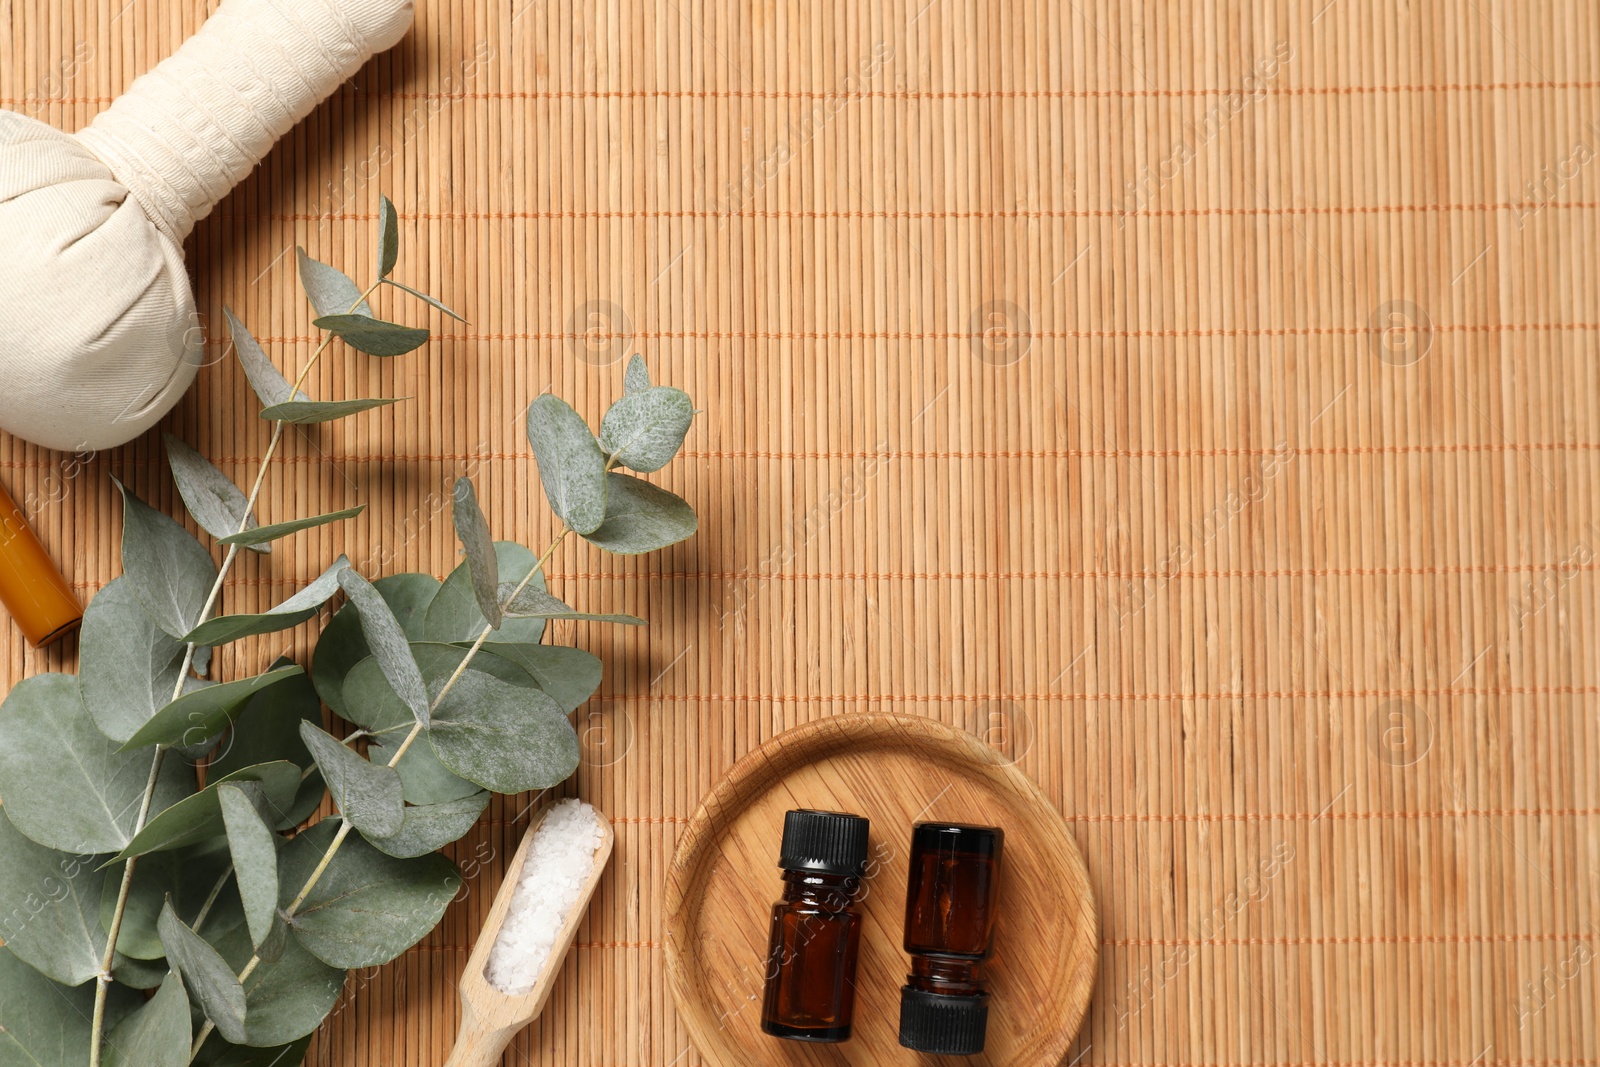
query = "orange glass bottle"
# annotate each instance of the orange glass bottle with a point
(31, 586)
(816, 928)
(950, 914)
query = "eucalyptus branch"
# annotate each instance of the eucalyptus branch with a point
(103, 979)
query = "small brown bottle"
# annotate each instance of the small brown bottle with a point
(950, 913)
(31, 585)
(816, 928)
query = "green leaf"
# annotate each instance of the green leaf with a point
(205, 712)
(199, 817)
(155, 1035)
(307, 412)
(641, 517)
(342, 644)
(430, 827)
(206, 974)
(501, 736)
(211, 497)
(453, 615)
(43, 1024)
(270, 386)
(637, 377)
(537, 604)
(140, 974)
(330, 290)
(285, 999)
(50, 907)
(253, 846)
(64, 783)
(643, 431)
(569, 675)
(292, 612)
(482, 565)
(367, 908)
(388, 642)
(367, 794)
(186, 877)
(218, 1053)
(571, 465)
(373, 336)
(267, 731)
(128, 666)
(425, 298)
(261, 534)
(171, 572)
(388, 237)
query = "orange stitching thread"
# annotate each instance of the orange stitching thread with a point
(1170, 698)
(1398, 939)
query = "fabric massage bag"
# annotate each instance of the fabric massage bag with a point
(99, 336)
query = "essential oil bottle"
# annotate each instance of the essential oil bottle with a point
(816, 928)
(31, 586)
(950, 913)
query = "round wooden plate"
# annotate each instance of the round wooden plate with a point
(896, 770)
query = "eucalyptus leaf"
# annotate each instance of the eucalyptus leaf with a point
(170, 571)
(425, 298)
(388, 642)
(207, 975)
(285, 999)
(205, 712)
(268, 730)
(569, 675)
(253, 846)
(261, 534)
(138, 974)
(453, 615)
(367, 794)
(292, 612)
(270, 386)
(537, 604)
(309, 412)
(367, 908)
(43, 1024)
(128, 667)
(429, 827)
(641, 517)
(218, 1053)
(388, 237)
(373, 336)
(644, 430)
(50, 907)
(571, 465)
(199, 817)
(343, 645)
(329, 289)
(482, 564)
(637, 377)
(216, 503)
(503, 737)
(186, 877)
(157, 1034)
(64, 783)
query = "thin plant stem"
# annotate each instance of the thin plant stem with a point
(416, 730)
(103, 979)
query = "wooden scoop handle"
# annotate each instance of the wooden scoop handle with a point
(479, 1042)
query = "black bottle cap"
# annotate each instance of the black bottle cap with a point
(824, 842)
(957, 837)
(943, 1025)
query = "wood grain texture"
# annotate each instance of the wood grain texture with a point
(895, 771)
(1215, 433)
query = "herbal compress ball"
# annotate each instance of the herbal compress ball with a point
(98, 331)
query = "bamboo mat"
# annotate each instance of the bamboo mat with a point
(1199, 400)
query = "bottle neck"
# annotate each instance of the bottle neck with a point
(830, 892)
(942, 974)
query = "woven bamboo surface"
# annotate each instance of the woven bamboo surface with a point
(1199, 400)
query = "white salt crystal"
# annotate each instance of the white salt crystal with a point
(560, 860)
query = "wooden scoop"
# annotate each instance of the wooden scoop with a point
(490, 1018)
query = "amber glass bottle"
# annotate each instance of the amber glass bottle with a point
(816, 929)
(950, 913)
(31, 586)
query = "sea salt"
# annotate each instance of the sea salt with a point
(560, 860)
